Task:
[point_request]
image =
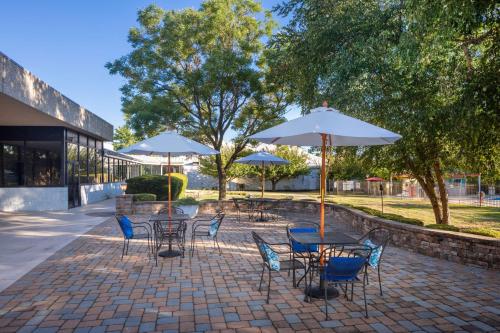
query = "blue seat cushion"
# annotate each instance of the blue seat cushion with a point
(272, 257)
(374, 259)
(126, 226)
(214, 226)
(343, 269)
(301, 248)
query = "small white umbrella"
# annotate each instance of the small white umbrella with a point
(169, 143)
(324, 127)
(263, 159)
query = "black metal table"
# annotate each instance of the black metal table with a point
(160, 218)
(254, 202)
(330, 238)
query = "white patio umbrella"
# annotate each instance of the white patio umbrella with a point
(169, 143)
(324, 127)
(263, 159)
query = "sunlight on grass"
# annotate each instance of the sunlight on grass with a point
(462, 216)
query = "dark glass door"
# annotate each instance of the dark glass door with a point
(73, 185)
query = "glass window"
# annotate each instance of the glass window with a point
(42, 163)
(13, 168)
(92, 161)
(83, 153)
(105, 171)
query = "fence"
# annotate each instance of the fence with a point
(458, 192)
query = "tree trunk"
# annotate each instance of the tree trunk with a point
(443, 193)
(221, 174)
(427, 184)
(273, 185)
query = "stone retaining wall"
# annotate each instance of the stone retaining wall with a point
(453, 246)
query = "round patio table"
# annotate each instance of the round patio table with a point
(330, 238)
(254, 202)
(158, 220)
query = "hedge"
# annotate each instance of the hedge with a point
(144, 197)
(154, 184)
(184, 179)
(446, 227)
(188, 201)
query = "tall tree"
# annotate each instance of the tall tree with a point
(208, 165)
(297, 165)
(425, 69)
(204, 72)
(123, 137)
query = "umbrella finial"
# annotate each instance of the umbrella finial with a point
(325, 104)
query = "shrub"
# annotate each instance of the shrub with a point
(483, 232)
(184, 179)
(155, 184)
(144, 197)
(186, 201)
(443, 227)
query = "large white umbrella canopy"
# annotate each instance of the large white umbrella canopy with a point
(262, 158)
(340, 130)
(324, 127)
(168, 143)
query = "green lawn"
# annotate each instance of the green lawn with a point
(462, 216)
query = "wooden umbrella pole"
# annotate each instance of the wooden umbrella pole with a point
(322, 191)
(169, 195)
(263, 181)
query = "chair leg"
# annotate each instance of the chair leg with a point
(379, 280)
(326, 302)
(123, 248)
(352, 291)
(217, 242)
(364, 298)
(262, 276)
(269, 287)
(128, 243)
(293, 277)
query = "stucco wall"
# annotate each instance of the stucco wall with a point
(99, 192)
(33, 198)
(22, 85)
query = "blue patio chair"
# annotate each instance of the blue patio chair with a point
(377, 239)
(345, 271)
(129, 230)
(206, 228)
(271, 260)
(308, 253)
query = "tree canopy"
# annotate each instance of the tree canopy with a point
(297, 165)
(425, 69)
(202, 71)
(123, 137)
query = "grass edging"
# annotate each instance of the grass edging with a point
(446, 227)
(388, 216)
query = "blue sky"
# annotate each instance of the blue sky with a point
(67, 43)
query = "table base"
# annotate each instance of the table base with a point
(169, 253)
(318, 292)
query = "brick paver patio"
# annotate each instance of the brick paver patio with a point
(85, 287)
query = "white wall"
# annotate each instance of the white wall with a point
(14, 199)
(99, 192)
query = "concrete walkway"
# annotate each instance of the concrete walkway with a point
(27, 239)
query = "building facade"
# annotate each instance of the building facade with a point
(52, 155)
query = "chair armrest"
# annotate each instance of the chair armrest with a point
(195, 227)
(274, 245)
(141, 227)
